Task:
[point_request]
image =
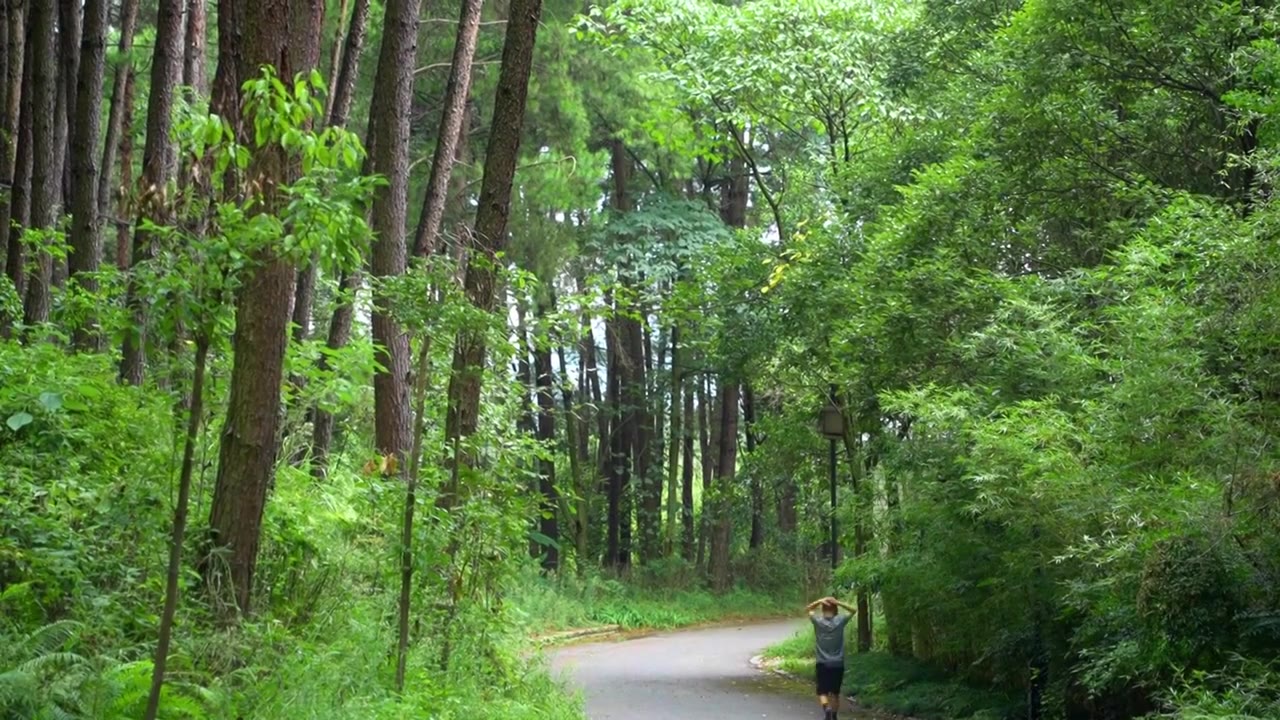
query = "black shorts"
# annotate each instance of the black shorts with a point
(829, 677)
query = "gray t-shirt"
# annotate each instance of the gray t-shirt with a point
(829, 633)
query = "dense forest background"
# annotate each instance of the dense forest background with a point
(347, 344)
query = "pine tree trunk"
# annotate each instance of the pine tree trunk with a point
(686, 473)
(70, 26)
(452, 121)
(344, 82)
(20, 192)
(722, 492)
(158, 167)
(573, 430)
(322, 421)
(119, 141)
(707, 428)
(674, 441)
(86, 228)
(757, 487)
(490, 234)
(45, 174)
(615, 458)
(15, 32)
(194, 58)
(15, 136)
(346, 59)
(392, 97)
(252, 33)
(549, 519)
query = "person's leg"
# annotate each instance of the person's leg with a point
(837, 681)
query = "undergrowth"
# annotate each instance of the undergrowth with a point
(898, 685)
(546, 605)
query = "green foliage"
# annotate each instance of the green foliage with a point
(899, 685)
(661, 599)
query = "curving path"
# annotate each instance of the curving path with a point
(704, 673)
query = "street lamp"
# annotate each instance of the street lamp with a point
(831, 424)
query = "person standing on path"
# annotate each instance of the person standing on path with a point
(828, 631)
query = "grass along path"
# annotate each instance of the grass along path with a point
(880, 681)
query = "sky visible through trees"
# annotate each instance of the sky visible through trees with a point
(332, 329)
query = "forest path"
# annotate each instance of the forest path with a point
(704, 673)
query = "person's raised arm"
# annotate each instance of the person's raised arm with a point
(815, 604)
(852, 610)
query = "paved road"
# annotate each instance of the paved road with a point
(686, 675)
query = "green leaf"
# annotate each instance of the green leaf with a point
(51, 401)
(19, 420)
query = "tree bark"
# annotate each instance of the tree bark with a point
(573, 430)
(119, 141)
(722, 492)
(194, 58)
(86, 227)
(253, 33)
(344, 83)
(16, 159)
(675, 441)
(158, 161)
(452, 120)
(757, 487)
(707, 427)
(549, 520)
(15, 55)
(392, 97)
(490, 234)
(322, 421)
(70, 25)
(45, 175)
(686, 474)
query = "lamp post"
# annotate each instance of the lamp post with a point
(831, 423)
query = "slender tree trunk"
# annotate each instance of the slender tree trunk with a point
(119, 140)
(549, 520)
(339, 335)
(124, 201)
(335, 53)
(344, 82)
(675, 441)
(252, 33)
(614, 458)
(15, 54)
(158, 167)
(195, 74)
(410, 505)
(573, 430)
(45, 175)
(179, 527)
(86, 228)
(452, 121)
(70, 26)
(722, 492)
(757, 487)
(648, 495)
(322, 421)
(490, 236)
(346, 59)
(392, 97)
(858, 464)
(707, 427)
(16, 159)
(686, 473)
